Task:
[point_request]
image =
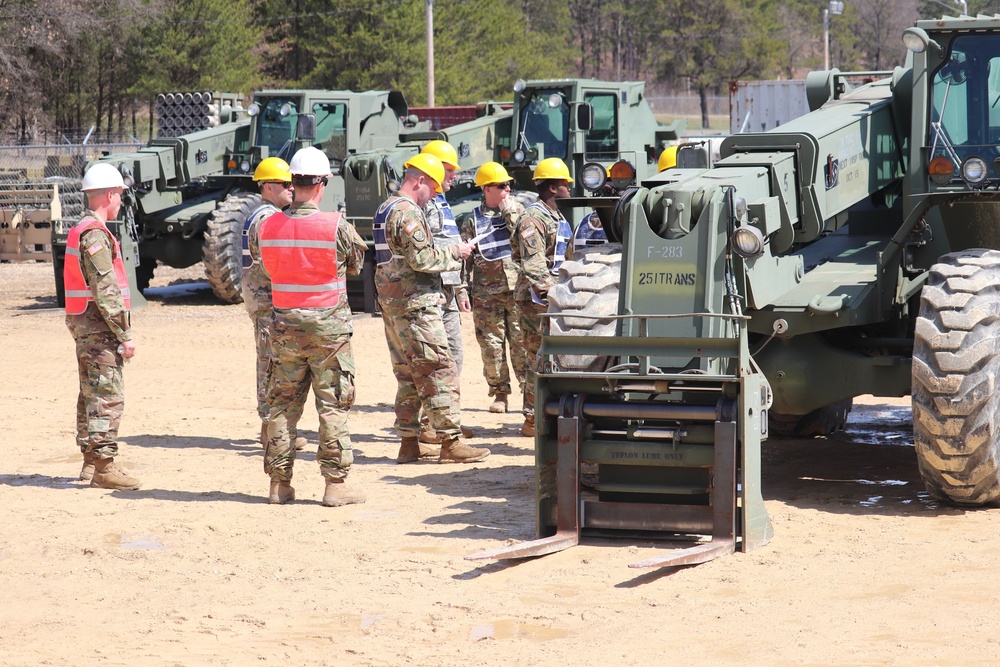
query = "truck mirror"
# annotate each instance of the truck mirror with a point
(584, 116)
(305, 127)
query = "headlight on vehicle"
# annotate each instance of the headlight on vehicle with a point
(593, 176)
(253, 109)
(245, 166)
(974, 171)
(519, 156)
(748, 242)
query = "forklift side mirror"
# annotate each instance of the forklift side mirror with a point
(584, 116)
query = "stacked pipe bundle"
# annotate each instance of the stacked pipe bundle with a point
(181, 113)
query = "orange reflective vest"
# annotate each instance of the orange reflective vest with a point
(78, 293)
(300, 255)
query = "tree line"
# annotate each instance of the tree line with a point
(98, 63)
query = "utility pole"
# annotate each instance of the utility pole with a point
(430, 53)
(836, 8)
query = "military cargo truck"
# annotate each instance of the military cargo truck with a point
(192, 192)
(578, 120)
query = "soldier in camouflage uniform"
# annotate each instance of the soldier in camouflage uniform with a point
(445, 233)
(538, 247)
(307, 255)
(493, 278)
(275, 183)
(409, 293)
(97, 314)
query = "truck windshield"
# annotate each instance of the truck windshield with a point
(545, 121)
(965, 112)
(276, 125)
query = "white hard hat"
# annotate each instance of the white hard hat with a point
(310, 161)
(102, 176)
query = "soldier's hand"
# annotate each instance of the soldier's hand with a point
(506, 203)
(128, 349)
(464, 250)
(462, 299)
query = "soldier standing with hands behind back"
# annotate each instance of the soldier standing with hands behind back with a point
(306, 254)
(275, 181)
(97, 314)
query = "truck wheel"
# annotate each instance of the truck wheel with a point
(822, 421)
(223, 249)
(586, 287)
(956, 402)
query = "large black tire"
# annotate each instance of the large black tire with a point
(956, 365)
(586, 287)
(822, 421)
(223, 249)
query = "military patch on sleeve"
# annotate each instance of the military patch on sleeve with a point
(413, 224)
(94, 249)
(528, 231)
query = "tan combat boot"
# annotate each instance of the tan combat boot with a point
(528, 428)
(281, 492)
(467, 432)
(429, 435)
(409, 450)
(109, 476)
(338, 493)
(456, 451)
(499, 405)
(87, 471)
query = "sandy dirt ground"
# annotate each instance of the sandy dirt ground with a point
(197, 569)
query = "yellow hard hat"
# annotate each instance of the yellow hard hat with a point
(443, 151)
(668, 159)
(430, 166)
(552, 168)
(272, 169)
(491, 173)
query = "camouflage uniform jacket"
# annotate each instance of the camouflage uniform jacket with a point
(532, 247)
(107, 313)
(256, 283)
(350, 259)
(413, 273)
(492, 276)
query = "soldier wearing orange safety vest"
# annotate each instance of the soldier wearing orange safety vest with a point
(306, 254)
(97, 314)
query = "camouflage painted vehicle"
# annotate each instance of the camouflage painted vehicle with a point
(192, 192)
(578, 120)
(851, 251)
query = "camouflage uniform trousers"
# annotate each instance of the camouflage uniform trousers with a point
(451, 316)
(425, 372)
(262, 321)
(531, 334)
(497, 328)
(300, 358)
(102, 394)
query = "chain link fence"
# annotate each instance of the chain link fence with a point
(688, 105)
(39, 167)
(40, 194)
